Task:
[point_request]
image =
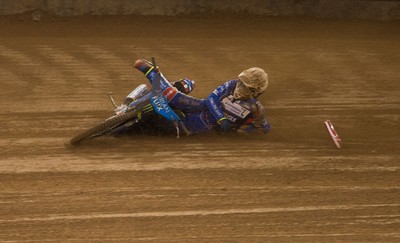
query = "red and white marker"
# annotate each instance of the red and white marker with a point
(331, 130)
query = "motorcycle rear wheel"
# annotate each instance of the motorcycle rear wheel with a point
(103, 128)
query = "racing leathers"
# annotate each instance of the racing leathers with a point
(204, 115)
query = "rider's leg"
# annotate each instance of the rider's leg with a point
(175, 98)
(184, 102)
(152, 73)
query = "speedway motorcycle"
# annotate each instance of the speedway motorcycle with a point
(144, 108)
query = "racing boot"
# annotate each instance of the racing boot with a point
(143, 65)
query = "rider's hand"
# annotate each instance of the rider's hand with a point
(224, 124)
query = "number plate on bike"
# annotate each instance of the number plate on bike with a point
(161, 106)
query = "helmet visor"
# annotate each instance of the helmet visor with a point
(244, 92)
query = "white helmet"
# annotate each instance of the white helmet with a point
(252, 83)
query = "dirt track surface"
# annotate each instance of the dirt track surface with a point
(291, 185)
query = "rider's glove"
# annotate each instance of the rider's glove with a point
(224, 124)
(184, 85)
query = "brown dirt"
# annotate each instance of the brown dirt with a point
(291, 185)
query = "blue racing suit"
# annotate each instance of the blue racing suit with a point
(202, 115)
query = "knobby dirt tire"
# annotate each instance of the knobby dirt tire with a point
(104, 127)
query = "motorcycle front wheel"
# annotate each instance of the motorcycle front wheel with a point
(104, 127)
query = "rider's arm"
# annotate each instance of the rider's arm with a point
(214, 100)
(257, 123)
